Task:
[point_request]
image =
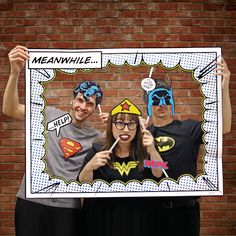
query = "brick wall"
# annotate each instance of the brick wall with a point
(117, 24)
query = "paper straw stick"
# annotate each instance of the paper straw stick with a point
(165, 173)
(150, 76)
(141, 122)
(114, 144)
(150, 73)
(99, 108)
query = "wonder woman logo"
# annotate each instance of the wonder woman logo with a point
(125, 168)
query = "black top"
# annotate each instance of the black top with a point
(124, 169)
(124, 216)
(178, 144)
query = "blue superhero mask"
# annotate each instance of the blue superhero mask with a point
(160, 97)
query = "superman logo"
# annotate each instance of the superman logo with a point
(69, 147)
(164, 143)
(125, 168)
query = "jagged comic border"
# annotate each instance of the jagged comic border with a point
(199, 60)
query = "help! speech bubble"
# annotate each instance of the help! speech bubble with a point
(58, 123)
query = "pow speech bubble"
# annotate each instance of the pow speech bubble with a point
(148, 84)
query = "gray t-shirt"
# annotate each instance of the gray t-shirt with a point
(65, 155)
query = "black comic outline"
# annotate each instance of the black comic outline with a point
(205, 71)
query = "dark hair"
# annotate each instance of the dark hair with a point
(160, 83)
(138, 152)
(89, 89)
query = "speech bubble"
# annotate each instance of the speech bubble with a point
(63, 60)
(58, 123)
(148, 84)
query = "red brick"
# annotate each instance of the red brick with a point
(87, 13)
(7, 223)
(6, 231)
(47, 6)
(6, 215)
(168, 6)
(111, 93)
(190, 6)
(26, 37)
(122, 24)
(202, 14)
(213, 6)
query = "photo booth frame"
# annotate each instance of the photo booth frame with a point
(41, 68)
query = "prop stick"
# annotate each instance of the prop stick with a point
(147, 119)
(114, 144)
(150, 73)
(141, 122)
(99, 108)
(150, 76)
(165, 173)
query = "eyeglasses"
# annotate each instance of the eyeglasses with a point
(121, 125)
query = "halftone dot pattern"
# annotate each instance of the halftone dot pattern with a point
(210, 89)
(134, 186)
(187, 183)
(170, 61)
(152, 58)
(72, 187)
(42, 75)
(210, 115)
(85, 188)
(39, 180)
(69, 71)
(211, 128)
(195, 61)
(211, 169)
(37, 152)
(103, 187)
(211, 101)
(164, 186)
(37, 165)
(36, 125)
(209, 138)
(210, 105)
(118, 187)
(120, 59)
(37, 138)
(188, 61)
(150, 186)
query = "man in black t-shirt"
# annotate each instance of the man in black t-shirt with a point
(178, 143)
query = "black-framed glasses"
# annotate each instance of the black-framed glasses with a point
(121, 125)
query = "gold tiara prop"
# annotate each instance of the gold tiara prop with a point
(126, 107)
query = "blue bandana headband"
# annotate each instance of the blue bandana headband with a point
(89, 89)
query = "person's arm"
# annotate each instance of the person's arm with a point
(11, 105)
(222, 69)
(148, 142)
(98, 160)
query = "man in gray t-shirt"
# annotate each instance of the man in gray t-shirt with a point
(65, 154)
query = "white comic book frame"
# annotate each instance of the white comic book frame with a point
(38, 184)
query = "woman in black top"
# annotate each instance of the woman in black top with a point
(120, 216)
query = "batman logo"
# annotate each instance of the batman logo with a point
(164, 143)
